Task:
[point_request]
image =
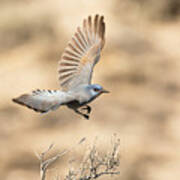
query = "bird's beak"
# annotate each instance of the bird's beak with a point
(104, 91)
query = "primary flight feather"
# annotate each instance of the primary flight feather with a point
(75, 72)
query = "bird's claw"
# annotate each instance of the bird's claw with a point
(86, 116)
(88, 108)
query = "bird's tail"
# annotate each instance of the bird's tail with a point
(41, 100)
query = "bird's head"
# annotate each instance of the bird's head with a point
(96, 90)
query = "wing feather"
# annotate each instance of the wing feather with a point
(82, 35)
(82, 53)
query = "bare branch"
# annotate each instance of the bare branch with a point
(44, 164)
(96, 164)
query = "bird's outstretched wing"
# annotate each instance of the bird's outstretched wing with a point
(82, 53)
(43, 100)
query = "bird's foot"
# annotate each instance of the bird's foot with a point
(86, 116)
(82, 114)
(87, 108)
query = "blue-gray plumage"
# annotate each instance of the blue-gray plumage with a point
(75, 73)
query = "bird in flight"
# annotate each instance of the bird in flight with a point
(75, 73)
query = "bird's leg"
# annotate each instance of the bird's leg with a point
(84, 115)
(88, 108)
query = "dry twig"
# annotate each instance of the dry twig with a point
(96, 164)
(44, 164)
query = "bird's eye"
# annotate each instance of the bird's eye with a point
(96, 89)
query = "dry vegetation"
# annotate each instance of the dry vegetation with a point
(140, 66)
(94, 165)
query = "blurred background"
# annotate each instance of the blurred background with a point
(140, 66)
